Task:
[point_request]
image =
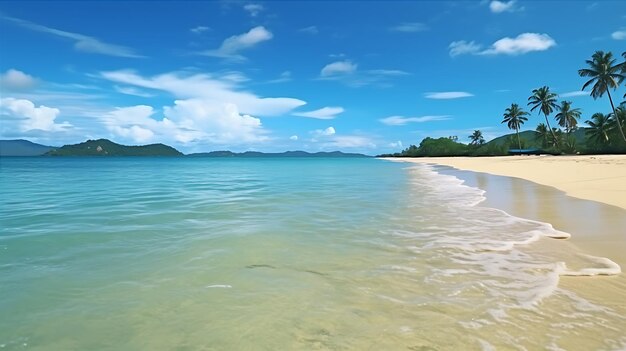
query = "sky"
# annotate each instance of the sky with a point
(356, 76)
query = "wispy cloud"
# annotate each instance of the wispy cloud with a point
(322, 113)
(347, 72)
(284, 77)
(409, 27)
(199, 29)
(446, 95)
(231, 47)
(522, 44)
(575, 93)
(253, 9)
(309, 30)
(401, 120)
(82, 42)
(132, 91)
(338, 68)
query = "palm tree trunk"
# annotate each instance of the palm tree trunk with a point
(519, 143)
(551, 131)
(619, 124)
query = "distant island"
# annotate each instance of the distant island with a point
(105, 147)
(253, 154)
(21, 147)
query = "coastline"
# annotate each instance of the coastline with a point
(524, 187)
(599, 178)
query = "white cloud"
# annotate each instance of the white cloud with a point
(309, 30)
(82, 42)
(395, 145)
(463, 47)
(446, 95)
(338, 68)
(253, 9)
(208, 88)
(502, 6)
(619, 35)
(575, 93)
(18, 80)
(324, 132)
(231, 47)
(132, 91)
(187, 121)
(323, 113)
(284, 77)
(410, 27)
(199, 29)
(401, 120)
(522, 44)
(29, 117)
(293, 137)
(387, 72)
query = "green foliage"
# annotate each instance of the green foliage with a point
(104, 147)
(476, 139)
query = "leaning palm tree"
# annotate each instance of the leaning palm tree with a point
(514, 118)
(605, 75)
(618, 118)
(543, 133)
(567, 116)
(599, 129)
(477, 138)
(544, 100)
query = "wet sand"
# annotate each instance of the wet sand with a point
(597, 227)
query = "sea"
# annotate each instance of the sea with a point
(282, 254)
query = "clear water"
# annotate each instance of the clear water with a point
(279, 254)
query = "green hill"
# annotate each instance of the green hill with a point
(22, 147)
(529, 138)
(104, 147)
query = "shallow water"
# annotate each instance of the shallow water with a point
(270, 254)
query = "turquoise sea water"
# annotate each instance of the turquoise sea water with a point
(278, 254)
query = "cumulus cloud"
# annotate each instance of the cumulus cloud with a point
(619, 35)
(446, 95)
(401, 120)
(186, 121)
(324, 132)
(322, 113)
(253, 9)
(502, 6)
(410, 27)
(16, 80)
(82, 42)
(209, 88)
(522, 44)
(396, 144)
(338, 68)
(30, 117)
(231, 47)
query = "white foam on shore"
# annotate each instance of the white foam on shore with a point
(488, 250)
(221, 286)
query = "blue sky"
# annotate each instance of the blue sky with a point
(364, 76)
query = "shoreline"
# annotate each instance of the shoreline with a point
(599, 178)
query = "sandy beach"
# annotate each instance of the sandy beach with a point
(599, 178)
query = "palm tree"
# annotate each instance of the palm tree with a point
(599, 128)
(605, 75)
(618, 118)
(542, 134)
(544, 100)
(568, 117)
(514, 118)
(477, 138)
